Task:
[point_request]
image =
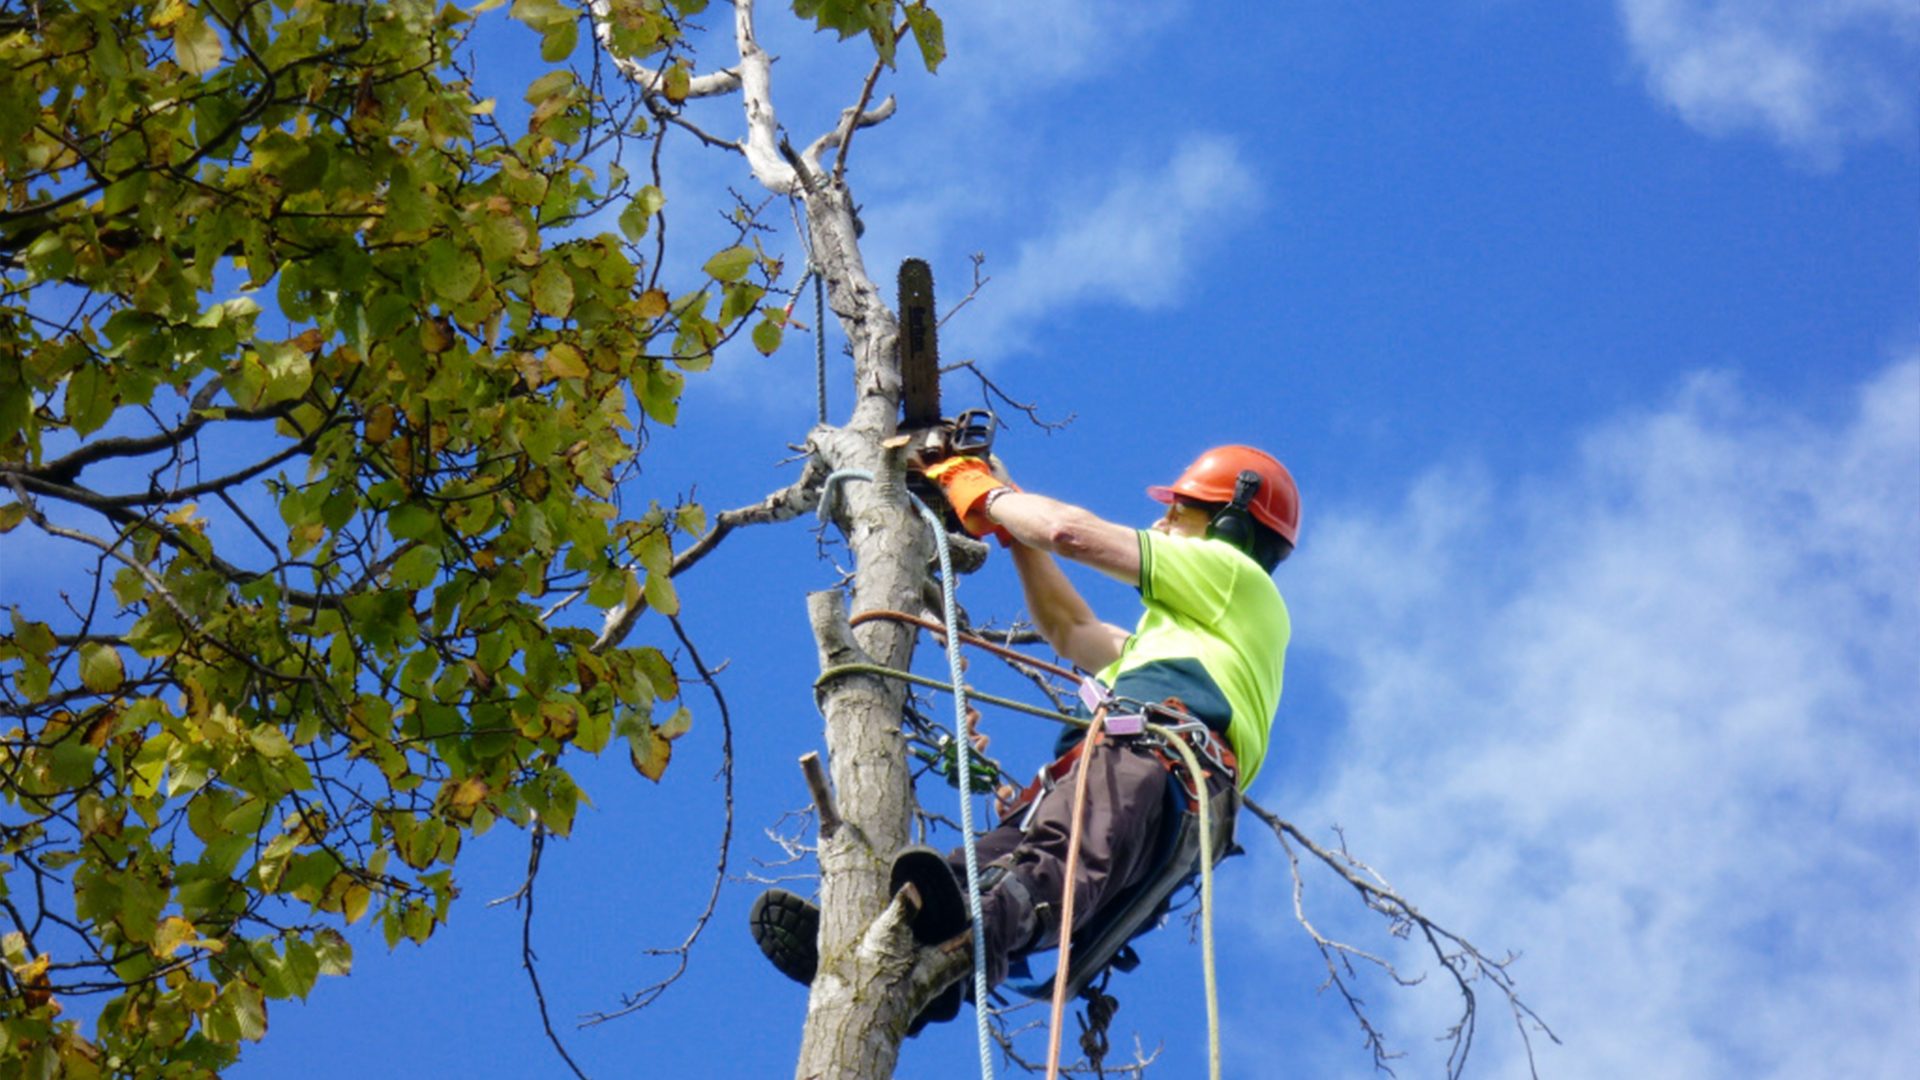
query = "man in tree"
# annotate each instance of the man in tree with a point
(1211, 645)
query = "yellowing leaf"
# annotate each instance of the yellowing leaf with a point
(196, 45)
(650, 753)
(564, 362)
(336, 956)
(167, 13)
(173, 933)
(458, 800)
(678, 83)
(198, 995)
(380, 422)
(354, 903)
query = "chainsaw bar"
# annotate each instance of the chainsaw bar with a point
(919, 346)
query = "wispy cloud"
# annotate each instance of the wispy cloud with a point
(1128, 238)
(1654, 722)
(1814, 76)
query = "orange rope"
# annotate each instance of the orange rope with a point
(1064, 963)
(1001, 651)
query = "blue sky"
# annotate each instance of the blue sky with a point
(1592, 332)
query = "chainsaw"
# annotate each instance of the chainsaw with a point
(931, 437)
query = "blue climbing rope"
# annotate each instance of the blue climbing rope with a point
(963, 748)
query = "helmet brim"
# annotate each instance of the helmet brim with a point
(1161, 494)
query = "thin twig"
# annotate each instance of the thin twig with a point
(523, 900)
(634, 1002)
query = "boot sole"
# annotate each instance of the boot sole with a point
(787, 929)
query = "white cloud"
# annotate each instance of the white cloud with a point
(1657, 724)
(1815, 76)
(1127, 238)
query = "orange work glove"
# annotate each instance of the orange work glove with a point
(966, 482)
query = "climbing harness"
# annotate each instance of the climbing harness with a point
(1192, 841)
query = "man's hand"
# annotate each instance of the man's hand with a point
(966, 482)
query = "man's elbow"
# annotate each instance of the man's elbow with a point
(1084, 538)
(1074, 535)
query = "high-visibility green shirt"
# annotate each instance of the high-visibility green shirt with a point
(1214, 635)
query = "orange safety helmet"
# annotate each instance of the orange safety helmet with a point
(1275, 503)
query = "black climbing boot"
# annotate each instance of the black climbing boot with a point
(943, 904)
(787, 929)
(942, 917)
(941, 1009)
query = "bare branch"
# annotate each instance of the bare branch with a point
(756, 92)
(1461, 959)
(788, 503)
(822, 792)
(855, 118)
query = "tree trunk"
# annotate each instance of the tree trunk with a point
(867, 989)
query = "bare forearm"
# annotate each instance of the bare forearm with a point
(1069, 532)
(1041, 527)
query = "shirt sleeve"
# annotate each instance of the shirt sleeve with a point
(1193, 578)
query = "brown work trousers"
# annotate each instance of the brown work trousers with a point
(1126, 809)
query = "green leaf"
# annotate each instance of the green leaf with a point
(658, 672)
(289, 373)
(239, 1013)
(34, 639)
(660, 394)
(634, 220)
(559, 41)
(553, 290)
(453, 271)
(691, 519)
(928, 33)
(89, 399)
(655, 552)
(739, 300)
(101, 669)
(661, 596)
(767, 336)
(731, 264)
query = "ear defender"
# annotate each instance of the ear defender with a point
(1233, 523)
